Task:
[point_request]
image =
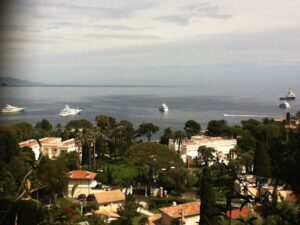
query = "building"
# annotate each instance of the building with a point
(53, 146)
(84, 180)
(237, 213)
(110, 200)
(188, 214)
(290, 123)
(189, 147)
(246, 185)
(34, 145)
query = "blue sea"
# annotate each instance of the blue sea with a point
(139, 104)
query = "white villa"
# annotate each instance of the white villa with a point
(34, 145)
(189, 147)
(84, 180)
(53, 146)
(50, 146)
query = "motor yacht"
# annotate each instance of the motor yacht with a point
(284, 105)
(12, 109)
(67, 111)
(163, 108)
(290, 96)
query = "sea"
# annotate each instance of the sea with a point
(231, 101)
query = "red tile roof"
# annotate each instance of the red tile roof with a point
(81, 175)
(29, 143)
(189, 209)
(50, 140)
(154, 219)
(236, 213)
(69, 142)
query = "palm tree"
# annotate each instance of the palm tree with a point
(179, 136)
(116, 132)
(94, 134)
(127, 132)
(206, 153)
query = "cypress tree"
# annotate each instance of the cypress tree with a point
(208, 210)
(262, 161)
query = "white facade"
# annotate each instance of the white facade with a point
(84, 180)
(84, 187)
(53, 146)
(189, 147)
(34, 145)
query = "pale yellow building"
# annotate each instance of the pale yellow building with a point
(110, 200)
(188, 214)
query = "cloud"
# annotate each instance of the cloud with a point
(176, 19)
(188, 12)
(104, 10)
(64, 24)
(123, 36)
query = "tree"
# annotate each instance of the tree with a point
(246, 160)
(79, 124)
(25, 131)
(73, 160)
(9, 147)
(216, 127)
(262, 161)
(192, 128)
(147, 129)
(44, 125)
(168, 134)
(155, 155)
(208, 210)
(52, 173)
(298, 115)
(105, 122)
(206, 153)
(127, 132)
(179, 136)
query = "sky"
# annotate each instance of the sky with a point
(153, 42)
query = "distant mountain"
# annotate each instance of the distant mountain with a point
(9, 81)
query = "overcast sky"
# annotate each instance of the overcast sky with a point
(148, 41)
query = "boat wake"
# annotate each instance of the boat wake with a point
(244, 115)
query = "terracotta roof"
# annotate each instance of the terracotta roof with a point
(29, 143)
(81, 175)
(69, 142)
(189, 209)
(154, 219)
(236, 213)
(279, 119)
(109, 196)
(107, 212)
(50, 140)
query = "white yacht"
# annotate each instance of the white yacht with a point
(290, 96)
(284, 105)
(67, 111)
(163, 108)
(12, 109)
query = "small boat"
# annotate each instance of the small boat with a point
(163, 108)
(67, 111)
(284, 105)
(12, 109)
(290, 96)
